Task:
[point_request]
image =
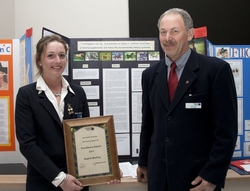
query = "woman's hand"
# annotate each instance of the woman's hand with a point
(71, 184)
(115, 181)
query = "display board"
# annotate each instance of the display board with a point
(7, 135)
(109, 70)
(238, 56)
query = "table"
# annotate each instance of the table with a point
(234, 182)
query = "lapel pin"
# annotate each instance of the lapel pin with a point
(70, 109)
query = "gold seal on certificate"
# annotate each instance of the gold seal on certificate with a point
(91, 149)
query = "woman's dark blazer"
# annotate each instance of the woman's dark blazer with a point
(179, 143)
(39, 132)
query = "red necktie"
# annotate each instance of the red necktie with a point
(172, 81)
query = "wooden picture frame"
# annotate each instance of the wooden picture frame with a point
(91, 150)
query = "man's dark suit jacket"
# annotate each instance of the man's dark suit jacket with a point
(178, 144)
(40, 134)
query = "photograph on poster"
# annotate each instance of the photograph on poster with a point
(198, 45)
(117, 56)
(105, 56)
(78, 56)
(222, 52)
(154, 55)
(130, 56)
(91, 56)
(4, 75)
(142, 56)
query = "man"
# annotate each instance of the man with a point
(187, 143)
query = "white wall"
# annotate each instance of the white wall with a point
(7, 19)
(71, 18)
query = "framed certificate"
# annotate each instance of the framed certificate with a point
(91, 150)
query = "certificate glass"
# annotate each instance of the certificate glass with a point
(91, 150)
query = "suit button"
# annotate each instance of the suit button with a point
(169, 118)
(167, 139)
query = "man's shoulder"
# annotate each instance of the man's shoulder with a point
(155, 66)
(212, 60)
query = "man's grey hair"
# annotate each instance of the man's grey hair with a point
(187, 19)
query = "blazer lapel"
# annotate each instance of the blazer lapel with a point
(69, 107)
(161, 83)
(187, 78)
(49, 107)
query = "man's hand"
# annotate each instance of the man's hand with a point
(142, 174)
(202, 185)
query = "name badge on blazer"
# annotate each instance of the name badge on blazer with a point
(193, 105)
(78, 114)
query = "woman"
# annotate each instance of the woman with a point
(40, 109)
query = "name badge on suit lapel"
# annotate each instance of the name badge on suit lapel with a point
(193, 105)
